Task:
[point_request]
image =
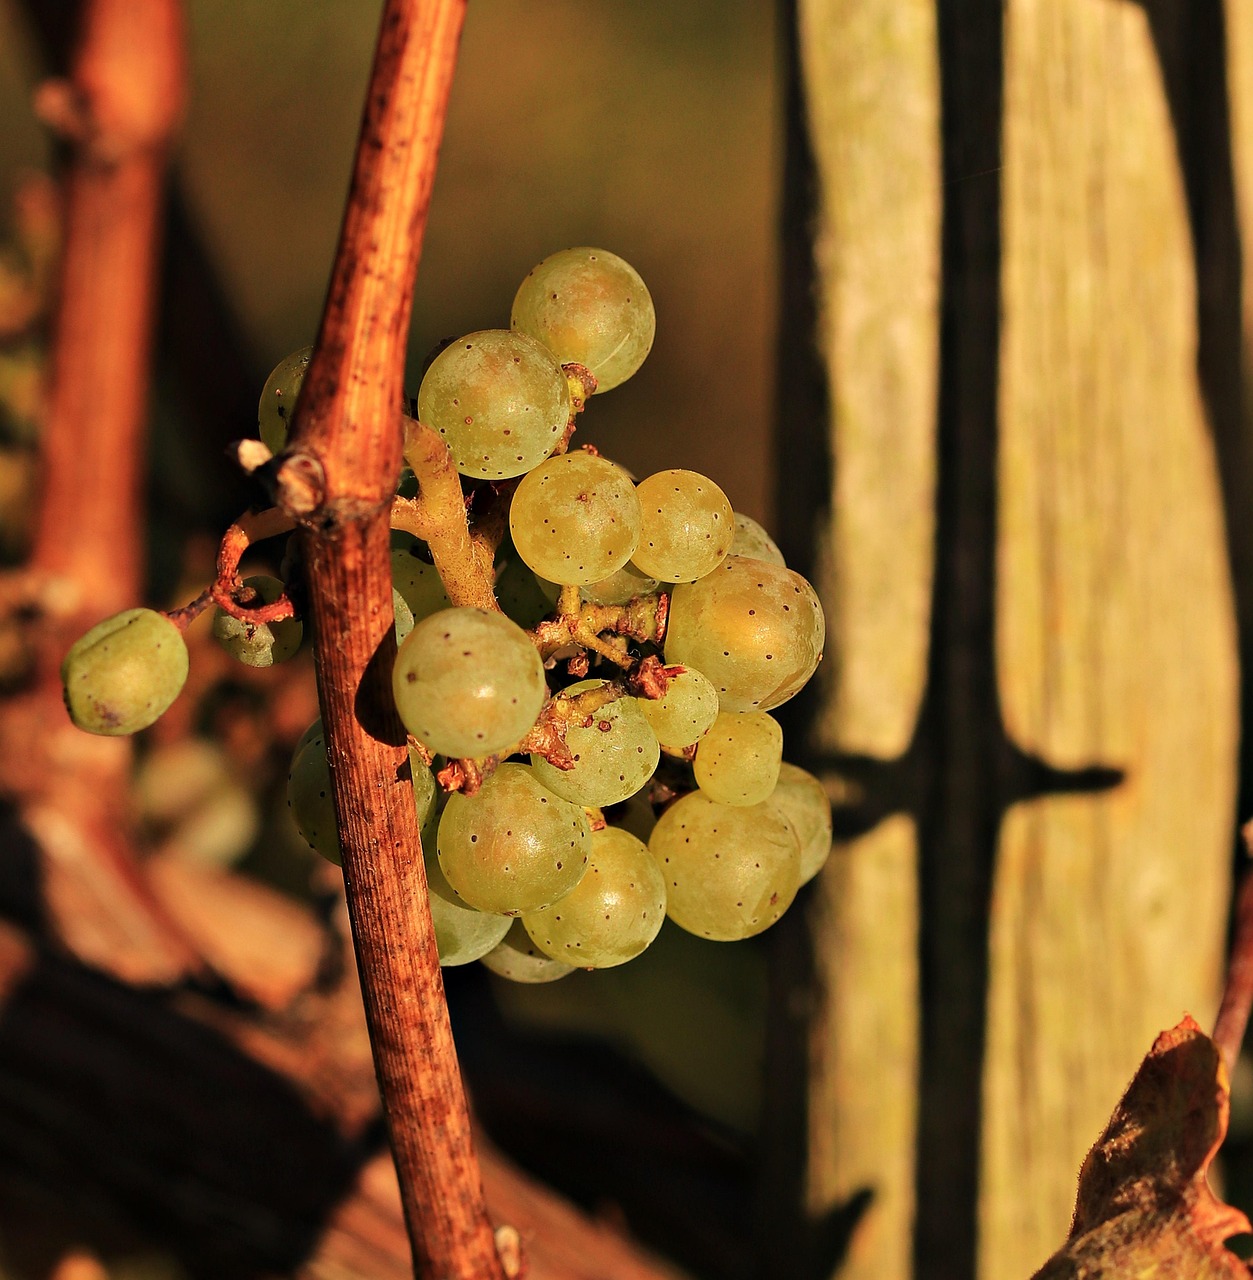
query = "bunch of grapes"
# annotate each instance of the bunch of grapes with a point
(592, 750)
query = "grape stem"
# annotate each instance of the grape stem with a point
(581, 624)
(337, 478)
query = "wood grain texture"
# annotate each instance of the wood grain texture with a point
(1116, 640)
(871, 103)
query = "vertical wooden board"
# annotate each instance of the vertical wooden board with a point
(863, 1081)
(1115, 629)
(1238, 22)
(871, 90)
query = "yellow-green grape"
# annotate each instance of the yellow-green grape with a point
(468, 682)
(259, 644)
(737, 761)
(613, 913)
(575, 519)
(402, 617)
(620, 587)
(588, 307)
(315, 730)
(614, 754)
(730, 871)
(313, 807)
(523, 597)
(755, 629)
(124, 673)
(416, 579)
(462, 934)
(687, 526)
(685, 712)
(499, 400)
(520, 960)
(753, 541)
(801, 797)
(279, 396)
(513, 846)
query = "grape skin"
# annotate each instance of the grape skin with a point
(124, 673)
(803, 800)
(520, 960)
(513, 846)
(499, 400)
(589, 307)
(753, 541)
(754, 628)
(613, 913)
(279, 396)
(687, 528)
(468, 682)
(575, 519)
(737, 761)
(730, 871)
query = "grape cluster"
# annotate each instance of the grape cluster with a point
(592, 749)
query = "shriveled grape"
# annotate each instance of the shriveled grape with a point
(259, 644)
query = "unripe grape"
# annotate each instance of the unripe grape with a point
(737, 761)
(468, 682)
(498, 399)
(612, 914)
(520, 960)
(279, 396)
(258, 644)
(730, 871)
(575, 519)
(588, 307)
(124, 673)
(755, 629)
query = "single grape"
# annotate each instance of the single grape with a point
(279, 396)
(613, 913)
(801, 797)
(730, 871)
(620, 587)
(402, 617)
(468, 682)
(499, 400)
(753, 541)
(124, 673)
(685, 712)
(755, 629)
(315, 730)
(737, 761)
(462, 934)
(259, 644)
(513, 846)
(687, 526)
(313, 807)
(520, 960)
(575, 519)
(523, 598)
(615, 753)
(588, 307)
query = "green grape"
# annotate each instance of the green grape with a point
(753, 541)
(315, 730)
(755, 629)
(513, 846)
(620, 587)
(124, 673)
(612, 914)
(278, 398)
(730, 871)
(468, 682)
(462, 934)
(737, 761)
(523, 597)
(402, 616)
(687, 526)
(499, 400)
(685, 712)
(313, 807)
(588, 307)
(416, 579)
(802, 799)
(520, 960)
(614, 754)
(259, 644)
(575, 519)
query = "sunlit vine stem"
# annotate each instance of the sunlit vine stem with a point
(337, 478)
